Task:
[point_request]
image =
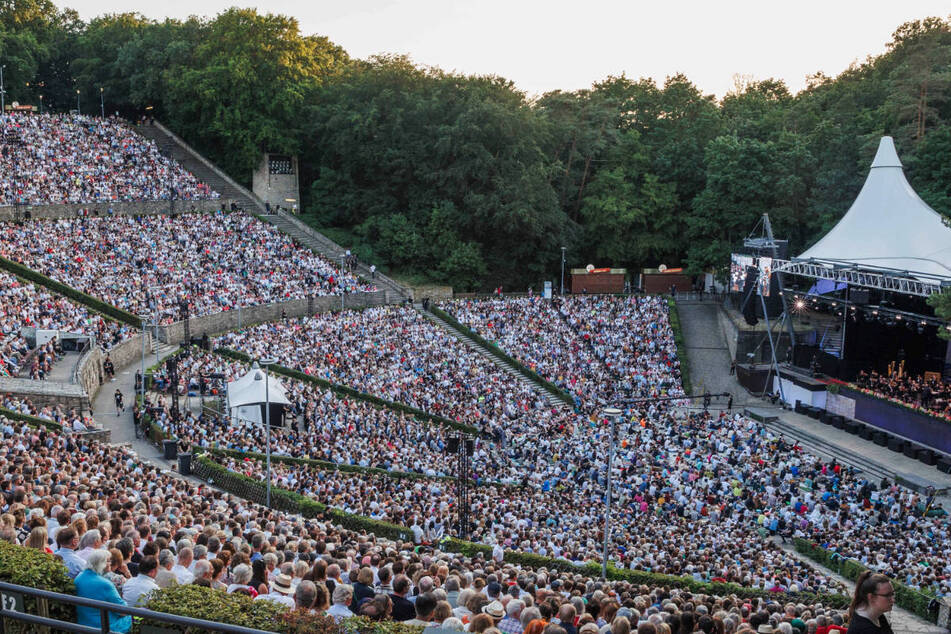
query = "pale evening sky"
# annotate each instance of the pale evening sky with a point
(570, 44)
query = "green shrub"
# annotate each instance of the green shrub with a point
(343, 390)
(37, 569)
(30, 420)
(504, 357)
(198, 602)
(677, 327)
(58, 287)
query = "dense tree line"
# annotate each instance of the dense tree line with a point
(467, 180)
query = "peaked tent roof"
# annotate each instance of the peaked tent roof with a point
(249, 390)
(888, 226)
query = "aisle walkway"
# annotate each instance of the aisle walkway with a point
(104, 410)
(902, 621)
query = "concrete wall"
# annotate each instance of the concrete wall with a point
(43, 393)
(248, 316)
(118, 208)
(91, 376)
(431, 292)
(277, 189)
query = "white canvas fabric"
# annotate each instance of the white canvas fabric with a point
(888, 226)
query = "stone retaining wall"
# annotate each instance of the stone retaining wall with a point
(42, 393)
(91, 376)
(137, 208)
(251, 315)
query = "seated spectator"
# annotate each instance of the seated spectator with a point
(91, 584)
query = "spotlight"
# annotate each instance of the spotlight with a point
(799, 305)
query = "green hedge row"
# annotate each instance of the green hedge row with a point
(342, 390)
(677, 327)
(37, 569)
(290, 501)
(237, 609)
(31, 420)
(494, 349)
(912, 600)
(58, 287)
(593, 569)
(326, 465)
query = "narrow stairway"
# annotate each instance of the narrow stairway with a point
(321, 244)
(553, 401)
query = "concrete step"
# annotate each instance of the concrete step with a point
(819, 447)
(193, 163)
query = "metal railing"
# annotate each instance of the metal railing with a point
(12, 607)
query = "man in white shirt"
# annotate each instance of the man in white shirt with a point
(180, 570)
(136, 590)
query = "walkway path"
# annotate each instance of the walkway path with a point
(121, 425)
(707, 352)
(902, 621)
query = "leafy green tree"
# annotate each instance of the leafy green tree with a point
(942, 307)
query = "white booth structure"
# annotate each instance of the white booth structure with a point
(248, 395)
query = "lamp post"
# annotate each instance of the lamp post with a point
(102, 104)
(563, 270)
(41, 104)
(77, 102)
(3, 92)
(613, 414)
(267, 424)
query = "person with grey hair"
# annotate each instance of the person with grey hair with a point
(342, 596)
(90, 541)
(199, 552)
(305, 595)
(452, 623)
(512, 623)
(528, 615)
(240, 578)
(181, 569)
(165, 577)
(203, 570)
(91, 584)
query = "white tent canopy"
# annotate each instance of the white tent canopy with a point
(247, 394)
(888, 227)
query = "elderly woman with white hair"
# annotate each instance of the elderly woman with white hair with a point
(91, 583)
(241, 580)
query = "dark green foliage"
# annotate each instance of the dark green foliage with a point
(37, 569)
(942, 306)
(342, 390)
(674, 316)
(912, 600)
(496, 351)
(465, 180)
(30, 420)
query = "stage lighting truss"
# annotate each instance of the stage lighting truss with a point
(870, 312)
(886, 280)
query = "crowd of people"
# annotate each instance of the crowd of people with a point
(125, 530)
(931, 395)
(395, 353)
(601, 349)
(66, 158)
(23, 305)
(150, 265)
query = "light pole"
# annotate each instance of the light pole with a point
(563, 270)
(77, 102)
(613, 414)
(102, 104)
(267, 423)
(41, 104)
(3, 93)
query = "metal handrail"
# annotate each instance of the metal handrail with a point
(104, 609)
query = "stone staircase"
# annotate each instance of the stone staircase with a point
(171, 145)
(819, 447)
(326, 247)
(553, 401)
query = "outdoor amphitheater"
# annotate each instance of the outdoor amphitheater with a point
(217, 418)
